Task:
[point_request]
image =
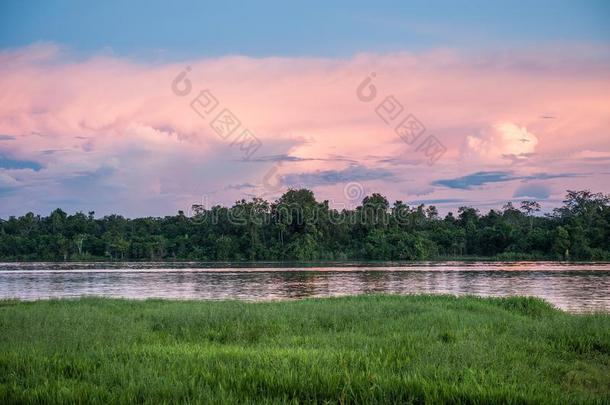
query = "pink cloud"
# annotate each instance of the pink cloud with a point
(77, 116)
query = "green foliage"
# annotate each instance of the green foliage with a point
(366, 349)
(297, 227)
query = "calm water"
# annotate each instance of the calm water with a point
(572, 287)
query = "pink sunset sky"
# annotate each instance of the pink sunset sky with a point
(107, 132)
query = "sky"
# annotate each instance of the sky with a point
(145, 108)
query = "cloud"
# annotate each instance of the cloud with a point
(280, 158)
(438, 201)
(591, 155)
(289, 158)
(501, 140)
(88, 179)
(68, 116)
(240, 186)
(475, 179)
(482, 178)
(10, 163)
(533, 190)
(548, 176)
(325, 177)
(7, 181)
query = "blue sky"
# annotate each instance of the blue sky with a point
(156, 30)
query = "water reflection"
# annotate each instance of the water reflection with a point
(571, 287)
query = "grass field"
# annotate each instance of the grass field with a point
(367, 349)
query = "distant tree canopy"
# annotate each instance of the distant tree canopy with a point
(297, 227)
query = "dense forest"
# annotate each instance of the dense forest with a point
(297, 227)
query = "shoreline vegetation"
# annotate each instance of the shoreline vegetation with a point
(358, 349)
(298, 228)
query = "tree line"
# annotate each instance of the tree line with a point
(297, 227)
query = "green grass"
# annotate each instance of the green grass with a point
(366, 349)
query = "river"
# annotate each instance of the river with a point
(571, 287)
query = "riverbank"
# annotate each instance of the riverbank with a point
(354, 349)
